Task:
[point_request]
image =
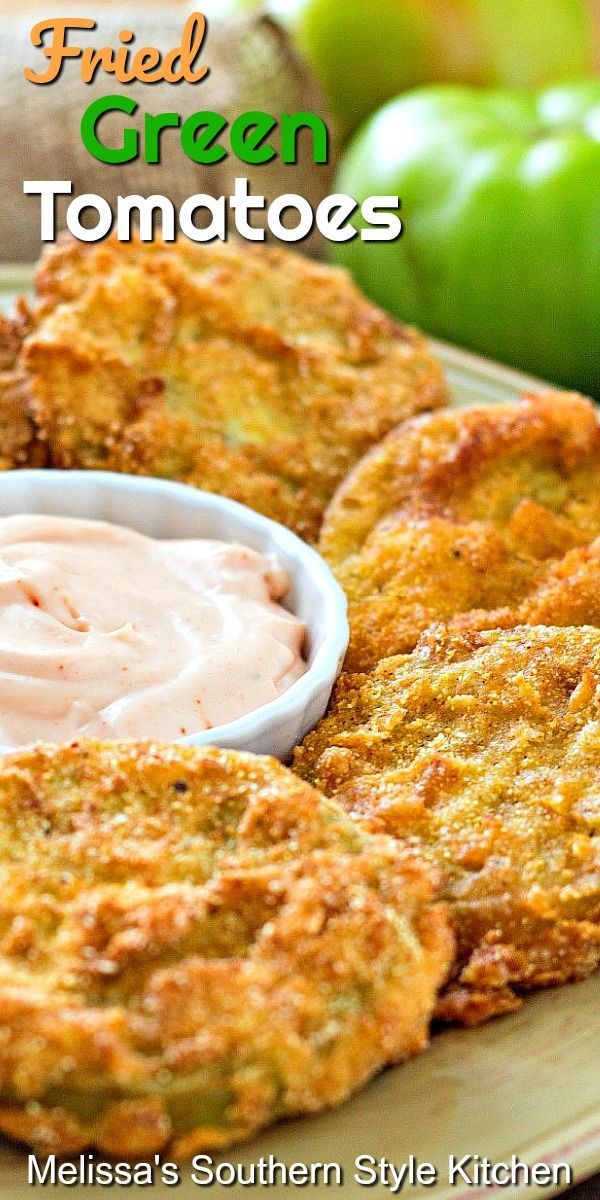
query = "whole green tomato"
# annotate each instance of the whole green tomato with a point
(500, 195)
(366, 51)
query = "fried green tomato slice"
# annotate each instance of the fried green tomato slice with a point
(193, 943)
(240, 369)
(482, 749)
(481, 515)
(20, 445)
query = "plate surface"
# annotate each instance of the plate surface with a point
(527, 1084)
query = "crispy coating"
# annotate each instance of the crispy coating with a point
(481, 515)
(20, 445)
(483, 750)
(243, 370)
(194, 942)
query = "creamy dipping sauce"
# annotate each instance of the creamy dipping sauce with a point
(108, 633)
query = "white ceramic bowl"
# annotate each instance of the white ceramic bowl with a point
(164, 510)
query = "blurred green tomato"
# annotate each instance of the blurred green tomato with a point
(500, 199)
(366, 51)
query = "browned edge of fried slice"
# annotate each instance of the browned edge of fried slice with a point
(467, 515)
(248, 371)
(20, 442)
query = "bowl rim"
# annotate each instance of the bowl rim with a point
(320, 674)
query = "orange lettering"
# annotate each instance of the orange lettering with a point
(58, 50)
(194, 32)
(146, 59)
(148, 65)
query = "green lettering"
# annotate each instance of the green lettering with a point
(153, 125)
(199, 134)
(248, 134)
(291, 124)
(89, 121)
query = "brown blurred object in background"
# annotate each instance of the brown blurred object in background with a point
(252, 66)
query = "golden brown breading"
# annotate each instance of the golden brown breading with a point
(483, 749)
(19, 443)
(568, 594)
(243, 370)
(193, 942)
(475, 511)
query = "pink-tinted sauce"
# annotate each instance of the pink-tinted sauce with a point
(108, 633)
